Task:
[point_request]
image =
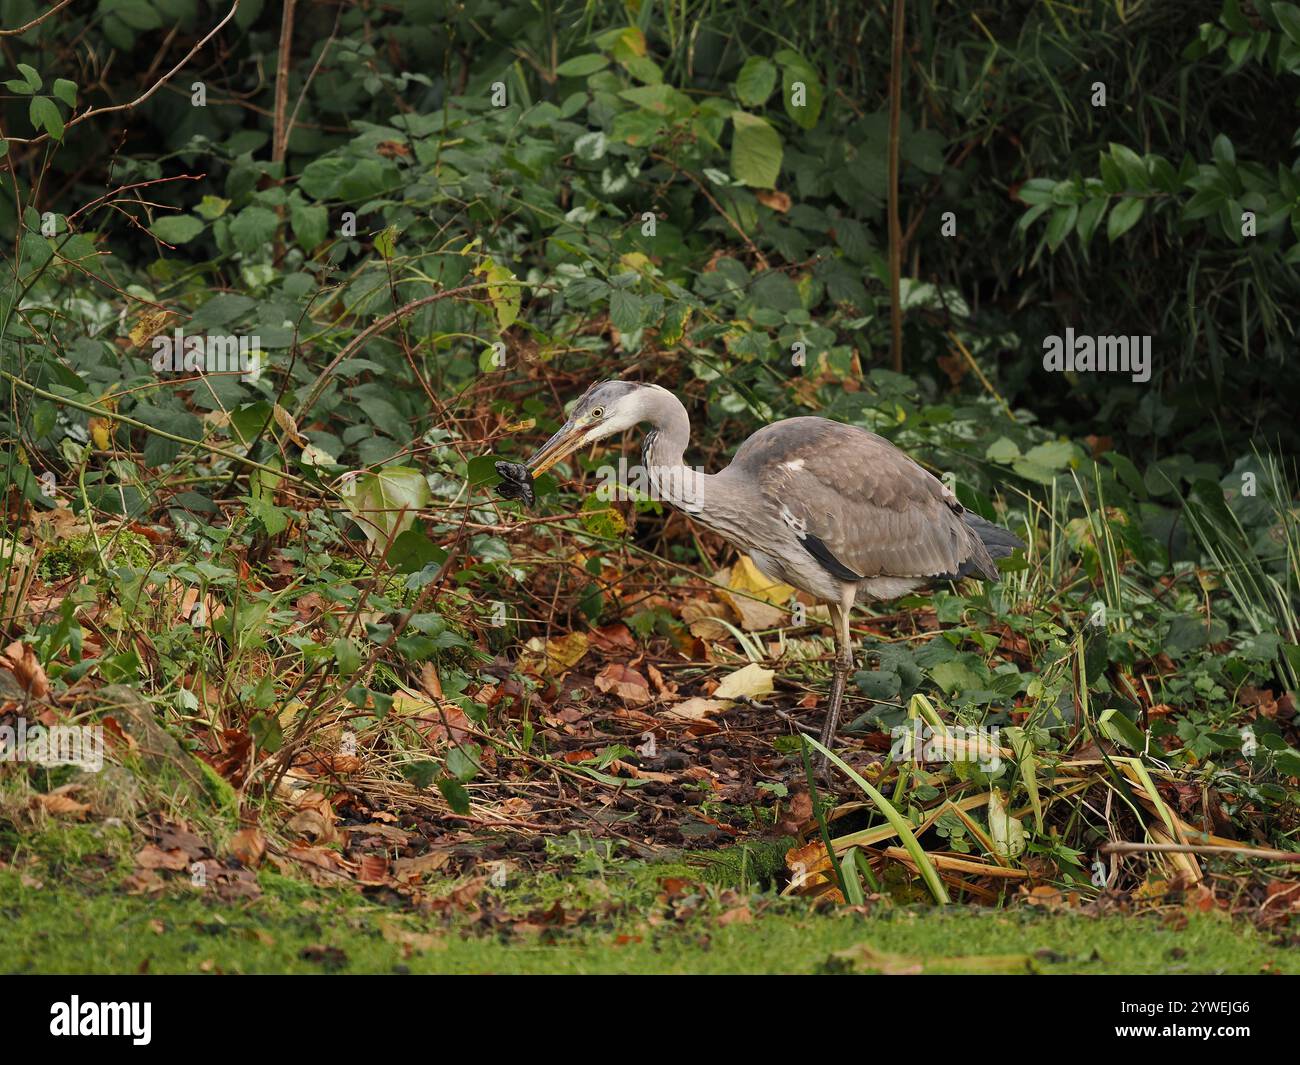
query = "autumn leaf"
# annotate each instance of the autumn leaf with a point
(627, 684)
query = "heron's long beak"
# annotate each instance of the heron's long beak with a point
(566, 441)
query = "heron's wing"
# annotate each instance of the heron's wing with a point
(860, 506)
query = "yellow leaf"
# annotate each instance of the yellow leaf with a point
(101, 430)
(150, 324)
(554, 656)
(751, 682)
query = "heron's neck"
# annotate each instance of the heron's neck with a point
(669, 433)
(664, 449)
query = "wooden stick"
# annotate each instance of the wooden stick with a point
(1264, 853)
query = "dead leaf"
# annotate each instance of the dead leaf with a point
(750, 682)
(745, 579)
(153, 857)
(554, 656)
(20, 659)
(58, 804)
(249, 846)
(696, 709)
(700, 617)
(627, 684)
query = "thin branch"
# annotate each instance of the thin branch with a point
(1265, 853)
(96, 111)
(36, 21)
(377, 326)
(895, 227)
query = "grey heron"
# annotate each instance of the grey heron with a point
(829, 508)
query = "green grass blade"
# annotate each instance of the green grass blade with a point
(923, 864)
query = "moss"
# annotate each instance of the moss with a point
(77, 554)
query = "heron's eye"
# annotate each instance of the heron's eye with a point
(597, 412)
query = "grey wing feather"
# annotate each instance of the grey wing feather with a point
(873, 509)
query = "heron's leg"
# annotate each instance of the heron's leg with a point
(840, 678)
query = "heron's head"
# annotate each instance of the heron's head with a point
(603, 410)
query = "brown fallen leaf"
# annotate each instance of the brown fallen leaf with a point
(695, 709)
(59, 803)
(627, 684)
(153, 857)
(20, 659)
(373, 869)
(249, 846)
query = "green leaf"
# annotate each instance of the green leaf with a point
(755, 151)
(310, 223)
(755, 82)
(44, 114)
(412, 551)
(347, 655)
(626, 310)
(138, 14)
(421, 774)
(799, 78)
(455, 794)
(66, 91)
(385, 503)
(1119, 729)
(582, 65)
(176, 228)
(590, 146)
(1124, 216)
(253, 228)
(211, 208)
(1089, 215)
(1288, 17)
(30, 76)
(1061, 225)
(1131, 166)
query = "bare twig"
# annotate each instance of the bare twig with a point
(895, 227)
(36, 21)
(94, 112)
(1266, 854)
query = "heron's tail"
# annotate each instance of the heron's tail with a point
(999, 542)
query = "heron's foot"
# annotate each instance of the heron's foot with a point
(755, 704)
